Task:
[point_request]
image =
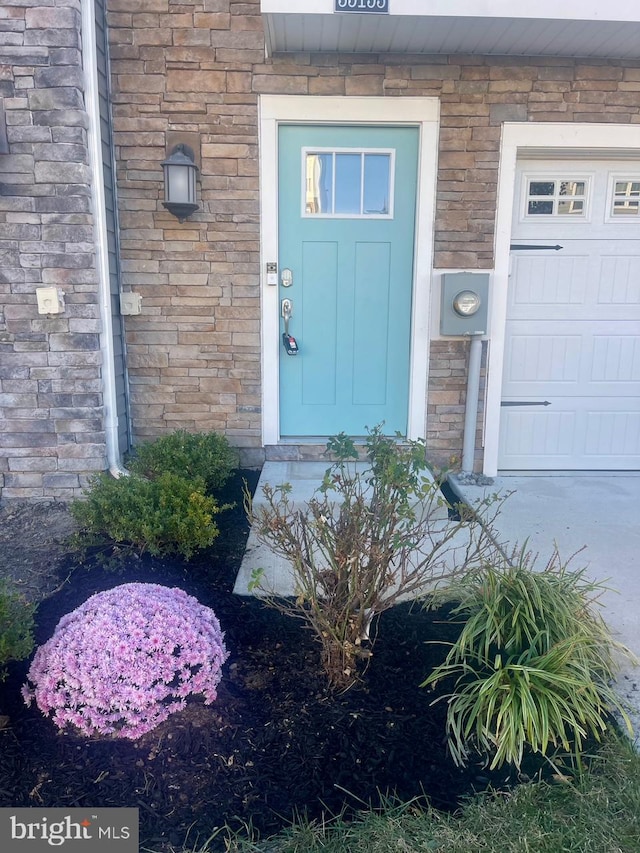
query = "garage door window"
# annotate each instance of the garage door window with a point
(626, 197)
(556, 197)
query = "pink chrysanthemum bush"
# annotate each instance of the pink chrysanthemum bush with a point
(126, 659)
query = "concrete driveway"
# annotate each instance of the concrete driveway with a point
(597, 512)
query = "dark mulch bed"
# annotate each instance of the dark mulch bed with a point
(275, 744)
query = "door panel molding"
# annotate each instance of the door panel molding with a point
(420, 112)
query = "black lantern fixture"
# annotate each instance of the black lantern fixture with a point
(180, 182)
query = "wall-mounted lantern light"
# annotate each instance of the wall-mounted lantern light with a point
(180, 173)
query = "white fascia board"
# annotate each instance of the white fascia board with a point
(567, 10)
(306, 7)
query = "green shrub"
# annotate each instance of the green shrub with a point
(193, 456)
(16, 627)
(167, 515)
(532, 664)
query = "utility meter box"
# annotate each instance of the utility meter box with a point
(464, 306)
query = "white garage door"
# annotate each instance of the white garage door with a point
(571, 384)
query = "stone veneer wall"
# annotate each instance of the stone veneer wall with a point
(194, 353)
(198, 67)
(51, 428)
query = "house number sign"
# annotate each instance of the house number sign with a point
(376, 6)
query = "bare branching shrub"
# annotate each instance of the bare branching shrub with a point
(374, 532)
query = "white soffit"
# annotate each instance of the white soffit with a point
(591, 28)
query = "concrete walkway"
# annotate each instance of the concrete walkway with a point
(597, 512)
(304, 477)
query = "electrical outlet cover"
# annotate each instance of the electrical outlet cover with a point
(50, 300)
(130, 303)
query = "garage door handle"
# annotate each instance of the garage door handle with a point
(524, 403)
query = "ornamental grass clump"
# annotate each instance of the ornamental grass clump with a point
(533, 664)
(126, 659)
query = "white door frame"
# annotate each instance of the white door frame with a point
(549, 139)
(309, 109)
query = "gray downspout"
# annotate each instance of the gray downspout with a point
(471, 408)
(89, 60)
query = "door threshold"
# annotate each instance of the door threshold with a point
(311, 449)
(298, 450)
(307, 439)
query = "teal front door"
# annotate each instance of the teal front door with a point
(346, 223)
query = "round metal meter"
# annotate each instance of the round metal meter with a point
(466, 303)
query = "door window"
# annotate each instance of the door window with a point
(348, 183)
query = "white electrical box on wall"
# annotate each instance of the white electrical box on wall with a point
(130, 303)
(50, 300)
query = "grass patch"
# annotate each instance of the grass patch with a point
(596, 811)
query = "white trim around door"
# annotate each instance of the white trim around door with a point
(308, 109)
(548, 139)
